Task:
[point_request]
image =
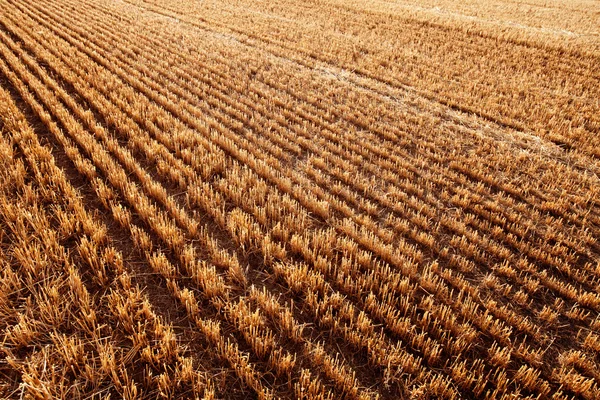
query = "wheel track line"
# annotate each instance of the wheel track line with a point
(516, 125)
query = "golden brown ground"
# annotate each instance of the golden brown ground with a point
(319, 200)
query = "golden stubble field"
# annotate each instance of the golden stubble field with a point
(326, 199)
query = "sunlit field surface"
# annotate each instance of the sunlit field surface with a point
(321, 199)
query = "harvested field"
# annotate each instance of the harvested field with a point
(328, 199)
